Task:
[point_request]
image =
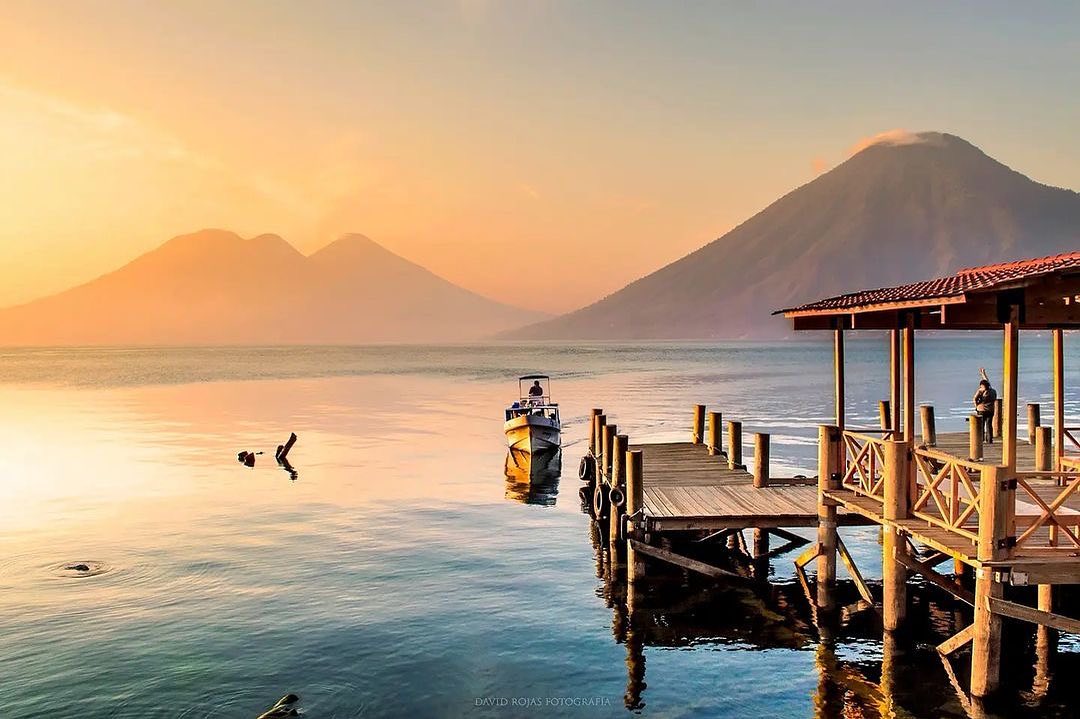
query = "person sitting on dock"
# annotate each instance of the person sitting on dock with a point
(985, 400)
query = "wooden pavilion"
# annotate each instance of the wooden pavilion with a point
(1014, 525)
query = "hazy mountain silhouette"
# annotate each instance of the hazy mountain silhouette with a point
(214, 287)
(905, 208)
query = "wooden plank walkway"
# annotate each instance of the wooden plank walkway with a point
(686, 488)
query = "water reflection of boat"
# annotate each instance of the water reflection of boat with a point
(532, 422)
(533, 477)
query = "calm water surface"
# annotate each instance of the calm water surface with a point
(399, 574)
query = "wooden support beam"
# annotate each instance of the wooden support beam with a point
(685, 562)
(838, 377)
(812, 552)
(895, 382)
(908, 353)
(609, 433)
(894, 507)
(935, 578)
(617, 515)
(995, 498)
(761, 460)
(598, 440)
(1058, 350)
(1011, 363)
(829, 449)
(697, 432)
(853, 570)
(929, 425)
(956, 641)
(1035, 616)
(715, 441)
(789, 536)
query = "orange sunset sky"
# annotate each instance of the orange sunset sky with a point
(486, 139)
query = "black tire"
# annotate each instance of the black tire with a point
(587, 468)
(600, 502)
(617, 497)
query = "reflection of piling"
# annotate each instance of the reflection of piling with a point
(635, 651)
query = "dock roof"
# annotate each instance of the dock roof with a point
(1046, 287)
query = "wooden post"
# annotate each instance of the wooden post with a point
(601, 420)
(618, 479)
(975, 438)
(838, 377)
(929, 425)
(715, 442)
(1034, 420)
(592, 429)
(1011, 361)
(761, 460)
(995, 423)
(734, 444)
(1044, 449)
(610, 430)
(829, 448)
(884, 414)
(1059, 396)
(908, 345)
(994, 497)
(635, 492)
(895, 506)
(895, 381)
(698, 431)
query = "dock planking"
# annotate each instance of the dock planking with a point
(686, 488)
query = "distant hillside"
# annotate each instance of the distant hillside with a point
(900, 210)
(214, 287)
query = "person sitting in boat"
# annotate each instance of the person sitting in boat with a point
(536, 391)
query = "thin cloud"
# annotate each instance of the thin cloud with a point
(889, 137)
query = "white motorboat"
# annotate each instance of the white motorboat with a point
(532, 422)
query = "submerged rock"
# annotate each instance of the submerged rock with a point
(78, 567)
(283, 708)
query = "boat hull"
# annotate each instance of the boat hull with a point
(533, 434)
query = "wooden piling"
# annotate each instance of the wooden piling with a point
(715, 440)
(884, 414)
(610, 430)
(1044, 449)
(734, 444)
(995, 423)
(697, 433)
(1034, 421)
(895, 507)
(598, 441)
(596, 412)
(635, 493)
(995, 495)
(829, 449)
(618, 482)
(975, 438)
(929, 425)
(761, 460)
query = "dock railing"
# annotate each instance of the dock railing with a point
(863, 463)
(947, 491)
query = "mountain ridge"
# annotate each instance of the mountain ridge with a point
(215, 287)
(894, 212)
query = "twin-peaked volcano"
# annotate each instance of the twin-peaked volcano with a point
(906, 208)
(214, 287)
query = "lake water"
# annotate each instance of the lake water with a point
(399, 574)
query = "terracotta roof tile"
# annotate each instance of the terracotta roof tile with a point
(966, 280)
